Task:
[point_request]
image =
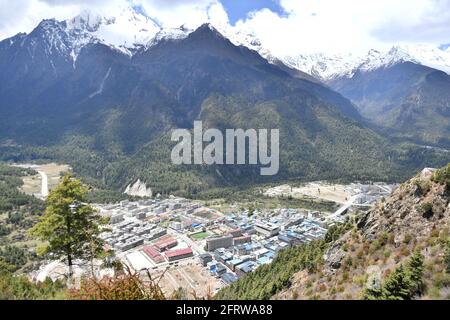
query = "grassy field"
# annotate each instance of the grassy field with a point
(32, 184)
(200, 235)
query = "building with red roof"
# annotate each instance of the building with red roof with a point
(173, 255)
(165, 244)
(153, 254)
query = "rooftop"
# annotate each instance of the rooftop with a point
(180, 252)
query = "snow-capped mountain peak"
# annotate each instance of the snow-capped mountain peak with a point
(125, 30)
(87, 21)
(169, 34)
(421, 54)
(376, 59)
(430, 56)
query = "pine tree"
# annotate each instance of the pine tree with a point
(415, 272)
(69, 227)
(373, 294)
(397, 286)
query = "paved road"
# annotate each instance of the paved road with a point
(345, 207)
(44, 184)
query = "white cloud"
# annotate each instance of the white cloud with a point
(419, 21)
(350, 25)
(24, 15)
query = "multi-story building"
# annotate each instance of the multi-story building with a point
(241, 240)
(174, 255)
(219, 242)
(205, 258)
(267, 229)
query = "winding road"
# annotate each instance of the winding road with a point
(44, 184)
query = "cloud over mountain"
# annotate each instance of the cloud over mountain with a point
(300, 26)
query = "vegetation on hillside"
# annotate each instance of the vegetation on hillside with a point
(403, 283)
(399, 249)
(442, 176)
(18, 213)
(19, 287)
(10, 196)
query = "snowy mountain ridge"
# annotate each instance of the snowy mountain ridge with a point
(130, 30)
(328, 67)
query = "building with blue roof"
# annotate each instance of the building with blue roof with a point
(228, 278)
(264, 260)
(246, 267)
(233, 263)
(217, 269)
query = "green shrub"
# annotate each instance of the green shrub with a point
(442, 176)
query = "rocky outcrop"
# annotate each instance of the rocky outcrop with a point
(138, 189)
(374, 277)
(416, 207)
(334, 256)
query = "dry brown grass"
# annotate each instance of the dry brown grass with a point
(127, 285)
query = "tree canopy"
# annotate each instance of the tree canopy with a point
(69, 226)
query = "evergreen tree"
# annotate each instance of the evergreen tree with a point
(397, 286)
(373, 291)
(372, 294)
(69, 227)
(415, 272)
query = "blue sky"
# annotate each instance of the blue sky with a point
(239, 9)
